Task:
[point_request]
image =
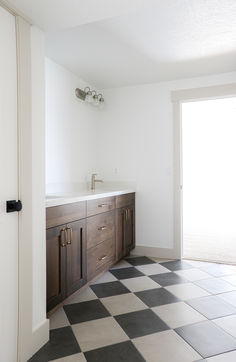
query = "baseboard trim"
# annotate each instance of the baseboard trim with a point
(162, 253)
(40, 336)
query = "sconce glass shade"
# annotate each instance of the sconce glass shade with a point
(101, 100)
(95, 100)
(89, 97)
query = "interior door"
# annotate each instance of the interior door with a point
(8, 189)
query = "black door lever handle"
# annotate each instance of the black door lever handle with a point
(13, 205)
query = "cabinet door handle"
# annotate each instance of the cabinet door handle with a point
(102, 257)
(63, 240)
(103, 205)
(68, 242)
(101, 228)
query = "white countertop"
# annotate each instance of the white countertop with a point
(68, 198)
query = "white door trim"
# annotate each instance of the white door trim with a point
(179, 97)
(25, 186)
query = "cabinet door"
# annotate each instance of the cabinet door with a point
(56, 266)
(130, 229)
(125, 231)
(120, 232)
(76, 256)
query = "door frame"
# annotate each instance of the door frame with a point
(178, 98)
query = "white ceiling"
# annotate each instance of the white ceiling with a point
(58, 14)
(126, 45)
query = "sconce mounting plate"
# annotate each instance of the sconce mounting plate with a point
(80, 94)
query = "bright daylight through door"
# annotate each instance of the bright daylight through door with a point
(209, 179)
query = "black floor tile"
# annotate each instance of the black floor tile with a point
(156, 297)
(140, 260)
(212, 307)
(121, 352)
(126, 273)
(176, 265)
(207, 338)
(166, 279)
(141, 323)
(62, 343)
(85, 311)
(215, 285)
(110, 289)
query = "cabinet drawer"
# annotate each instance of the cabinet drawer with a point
(63, 214)
(99, 256)
(100, 228)
(100, 205)
(124, 200)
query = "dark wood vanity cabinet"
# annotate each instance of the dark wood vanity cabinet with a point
(125, 225)
(83, 240)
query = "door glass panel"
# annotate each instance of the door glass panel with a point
(209, 179)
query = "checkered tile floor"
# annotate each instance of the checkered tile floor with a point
(149, 310)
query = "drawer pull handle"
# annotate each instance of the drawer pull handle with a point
(102, 257)
(103, 205)
(101, 228)
(63, 240)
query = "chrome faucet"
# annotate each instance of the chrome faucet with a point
(93, 181)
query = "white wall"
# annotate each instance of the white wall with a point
(70, 129)
(130, 140)
(136, 144)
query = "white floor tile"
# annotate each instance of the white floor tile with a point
(58, 319)
(165, 346)
(105, 278)
(229, 297)
(187, 291)
(140, 283)
(225, 357)
(124, 303)
(228, 324)
(151, 269)
(198, 263)
(83, 296)
(98, 333)
(230, 279)
(178, 314)
(193, 274)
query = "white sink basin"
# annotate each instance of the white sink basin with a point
(52, 197)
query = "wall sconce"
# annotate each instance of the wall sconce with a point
(90, 96)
